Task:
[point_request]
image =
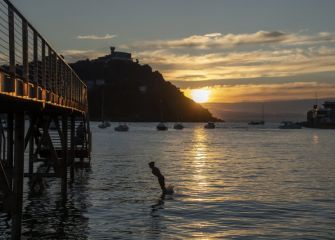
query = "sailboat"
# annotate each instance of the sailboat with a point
(103, 124)
(209, 125)
(123, 127)
(161, 126)
(261, 122)
(178, 126)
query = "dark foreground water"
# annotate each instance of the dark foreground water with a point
(233, 182)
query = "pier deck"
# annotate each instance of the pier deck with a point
(43, 109)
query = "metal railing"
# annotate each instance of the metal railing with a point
(30, 68)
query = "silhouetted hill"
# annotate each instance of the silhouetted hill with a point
(133, 92)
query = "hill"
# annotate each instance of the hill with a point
(133, 92)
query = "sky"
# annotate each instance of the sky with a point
(238, 50)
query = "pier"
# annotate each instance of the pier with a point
(44, 125)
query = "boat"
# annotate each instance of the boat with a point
(256, 123)
(122, 128)
(209, 125)
(289, 125)
(178, 126)
(261, 122)
(104, 124)
(321, 117)
(161, 127)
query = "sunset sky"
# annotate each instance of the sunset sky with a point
(255, 50)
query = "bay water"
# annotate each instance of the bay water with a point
(232, 182)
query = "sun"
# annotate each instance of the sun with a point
(200, 95)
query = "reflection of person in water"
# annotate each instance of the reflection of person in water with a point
(155, 171)
(159, 204)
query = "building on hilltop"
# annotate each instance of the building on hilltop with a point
(323, 117)
(115, 55)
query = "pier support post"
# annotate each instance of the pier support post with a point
(72, 147)
(64, 157)
(31, 146)
(18, 175)
(10, 143)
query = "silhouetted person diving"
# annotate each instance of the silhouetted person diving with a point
(161, 180)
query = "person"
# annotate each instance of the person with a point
(80, 133)
(161, 180)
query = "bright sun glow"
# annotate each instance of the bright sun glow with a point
(200, 95)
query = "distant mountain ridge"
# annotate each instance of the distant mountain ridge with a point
(133, 92)
(275, 111)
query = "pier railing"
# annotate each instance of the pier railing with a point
(30, 69)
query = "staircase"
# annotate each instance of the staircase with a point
(51, 151)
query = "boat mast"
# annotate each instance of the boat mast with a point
(263, 112)
(102, 104)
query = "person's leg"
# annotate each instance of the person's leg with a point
(161, 181)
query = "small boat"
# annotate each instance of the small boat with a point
(256, 123)
(161, 127)
(289, 125)
(122, 128)
(104, 124)
(261, 122)
(209, 125)
(178, 126)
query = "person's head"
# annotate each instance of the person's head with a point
(151, 164)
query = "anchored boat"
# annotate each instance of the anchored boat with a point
(122, 128)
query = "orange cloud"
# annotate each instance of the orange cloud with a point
(249, 64)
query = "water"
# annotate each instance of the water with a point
(234, 182)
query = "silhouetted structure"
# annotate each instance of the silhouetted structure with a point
(114, 55)
(36, 84)
(133, 92)
(323, 117)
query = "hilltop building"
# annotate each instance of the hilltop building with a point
(115, 55)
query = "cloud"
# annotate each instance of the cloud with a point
(237, 65)
(96, 37)
(218, 40)
(3, 59)
(74, 55)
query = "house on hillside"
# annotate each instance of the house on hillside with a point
(115, 55)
